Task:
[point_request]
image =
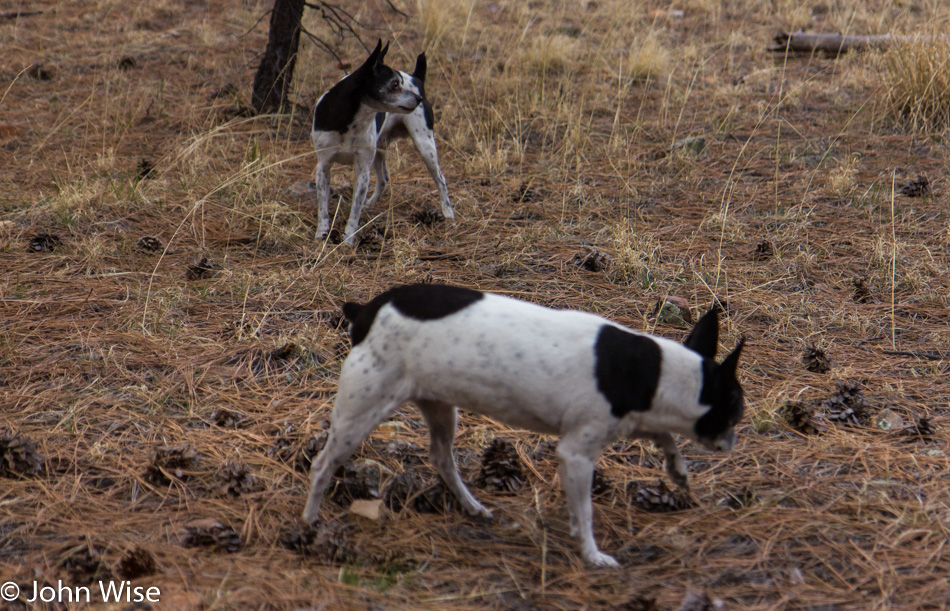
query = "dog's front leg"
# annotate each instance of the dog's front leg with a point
(675, 466)
(362, 165)
(577, 457)
(322, 187)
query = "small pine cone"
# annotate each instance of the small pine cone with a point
(501, 468)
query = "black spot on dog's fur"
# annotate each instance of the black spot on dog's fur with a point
(418, 301)
(627, 367)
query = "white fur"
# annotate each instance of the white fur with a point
(520, 364)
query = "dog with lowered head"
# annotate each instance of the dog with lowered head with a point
(560, 372)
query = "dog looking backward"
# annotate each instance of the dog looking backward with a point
(559, 372)
(354, 122)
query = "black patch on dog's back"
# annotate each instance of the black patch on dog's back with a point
(418, 301)
(627, 367)
(335, 112)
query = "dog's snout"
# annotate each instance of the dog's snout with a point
(726, 442)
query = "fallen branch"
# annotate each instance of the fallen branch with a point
(18, 14)
(835, 44)
(931, 356)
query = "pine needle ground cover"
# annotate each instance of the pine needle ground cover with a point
(170, 333)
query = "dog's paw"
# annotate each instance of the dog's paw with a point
(600, 559)
(480, 513)
(680, 478)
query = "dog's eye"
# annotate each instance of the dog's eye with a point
(394, 85)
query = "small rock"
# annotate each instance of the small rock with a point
(889, 421)
(672, 310)
(370, 510)
(695, 145)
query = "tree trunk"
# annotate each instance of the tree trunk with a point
(276, 70)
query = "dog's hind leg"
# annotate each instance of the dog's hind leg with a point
(381, 169)
(442, 419)
(360, 405)
(577, 452)
(425, 144)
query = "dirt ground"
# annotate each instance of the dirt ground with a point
(170, 335)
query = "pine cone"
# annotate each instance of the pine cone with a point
(236, 479)
(501, 468)
(815, 360)
(801, 417)
(168, 462)
(660, 499)
(847, 404)
(18, 455)
(135, 563)
(211, 533)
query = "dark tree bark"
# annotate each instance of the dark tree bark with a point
(272, 80)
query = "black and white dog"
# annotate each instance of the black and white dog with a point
(559, 372)
(354, 122)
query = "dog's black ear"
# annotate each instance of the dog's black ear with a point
(382, 55)
(351, 310)
(370, 62)
(727, 368)
(704, 338)
(420, 70)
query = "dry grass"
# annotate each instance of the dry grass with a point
(172, 400)
(917, 79)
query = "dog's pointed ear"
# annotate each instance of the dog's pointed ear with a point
(704, 338)
(370, 62)
(727, 368)
(382, 54)
(420, 70)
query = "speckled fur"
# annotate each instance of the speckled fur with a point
(518, 363)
